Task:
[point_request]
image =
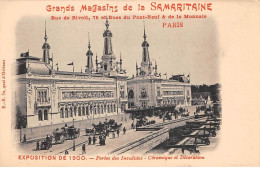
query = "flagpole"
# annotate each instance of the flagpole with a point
(73, 65)
(52, 61)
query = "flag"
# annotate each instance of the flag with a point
(56, 64)
(50, 59)
(165, 74)
(70, 64)
(188, 76)
(25, 54)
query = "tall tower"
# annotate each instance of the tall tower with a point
(46, 47)
(146, 63)
(89, 54)
(108, 58)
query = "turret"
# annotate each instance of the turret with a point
(46, 47)
(89, 54)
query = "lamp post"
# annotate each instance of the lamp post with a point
(73, 137)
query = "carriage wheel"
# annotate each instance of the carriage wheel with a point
(214, 134)
(207, 142)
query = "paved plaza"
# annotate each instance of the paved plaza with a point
(97, 149)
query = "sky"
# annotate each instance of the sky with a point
(192, 49)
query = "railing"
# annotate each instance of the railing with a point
(123, 99)
(39, 104)
(143, 97)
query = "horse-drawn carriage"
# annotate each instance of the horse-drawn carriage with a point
(185, 114)
(72, 132)
(46, 144)
(59, 136)
(89, 131)
(103, 128)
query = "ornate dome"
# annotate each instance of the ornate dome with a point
(145, 44)
(89, 53)
(46, 46)
(107, 33)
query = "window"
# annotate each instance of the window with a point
(122, 108)
(95, 110)
(108, 108)
(114, 108)
(122, 92)
(42, 95)
(101, 109)
(66, 113)
(71, 114)
(75, 111)
(45, 96)
(91, 109)
(131, 94)
(39, 96)
(158, 91)
(83, 111)
(87, 110)
(105, 108)
(105, 66)
(40, 115)
(45, 115)
(98, 111)
(143, 93)
(79, 111)
(61, 113)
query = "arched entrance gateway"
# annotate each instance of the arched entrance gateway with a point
(131, 99)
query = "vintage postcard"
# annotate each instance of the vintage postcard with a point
(129, 83)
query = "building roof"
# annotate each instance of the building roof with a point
(201, 95)
(180, 78)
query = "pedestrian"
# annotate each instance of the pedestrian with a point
(47, 138)
(66, 152)
(94, 140)
(132, 126)
(113, 135)
(118, 132)
(38, 145)
(107, 133)
(83, 149)
(124, 130)
(89, 140)
(100, 140)
(24, 138)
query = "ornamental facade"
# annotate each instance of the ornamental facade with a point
(148, 88)
(45, 96)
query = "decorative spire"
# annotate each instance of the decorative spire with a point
(107, 24)
(89, 46)
(96, 63)
(89, 54)
(108, 50)
(57, 64)
(121, 69)
(46, 48)
(45, 37)
(144, 33)
(155, 67)
(136, 69)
